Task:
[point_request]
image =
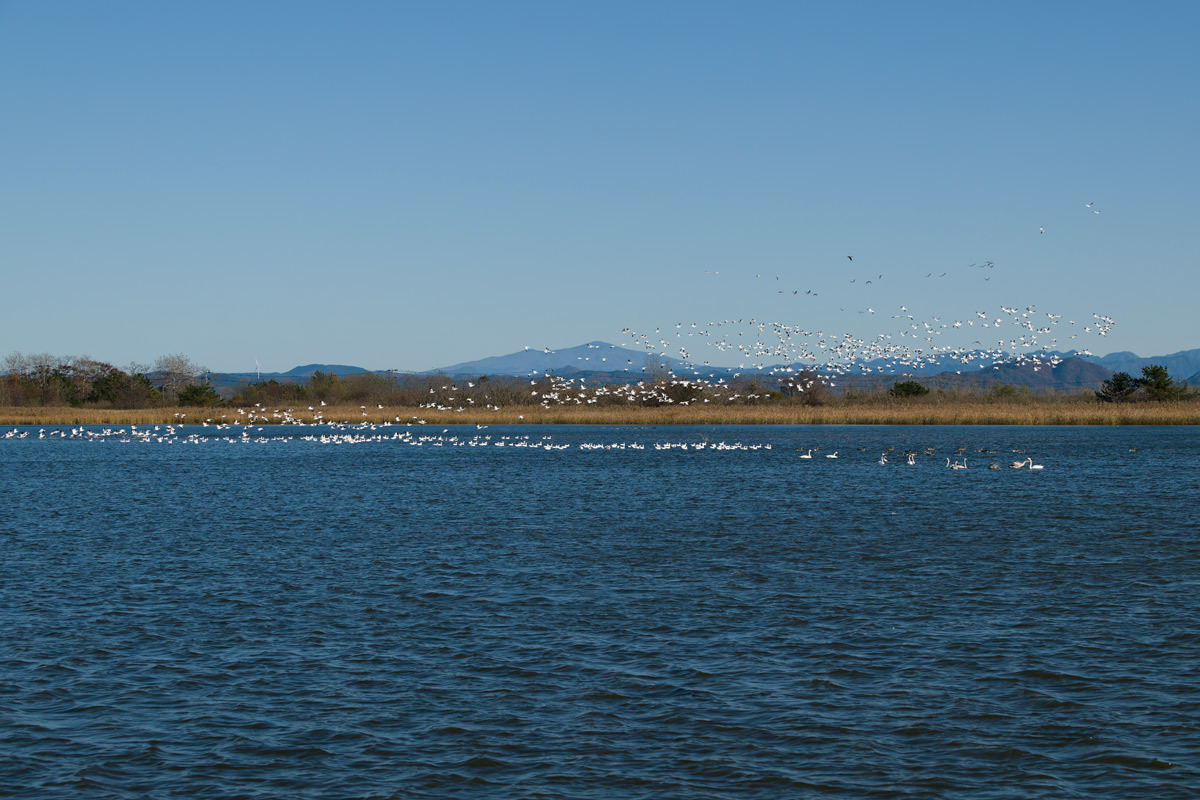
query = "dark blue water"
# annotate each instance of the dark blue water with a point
(269, 616)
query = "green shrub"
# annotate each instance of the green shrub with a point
(198, 394)
(908, 389)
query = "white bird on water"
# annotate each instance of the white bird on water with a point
(831, 455)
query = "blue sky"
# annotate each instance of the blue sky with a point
(410, 185)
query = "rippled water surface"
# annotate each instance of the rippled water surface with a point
(416, 612)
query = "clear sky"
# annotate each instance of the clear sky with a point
(402, 185)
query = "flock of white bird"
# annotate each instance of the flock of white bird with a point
(1013, 334)
(412, 434)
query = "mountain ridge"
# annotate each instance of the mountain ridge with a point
(609, 361)
(593, 356)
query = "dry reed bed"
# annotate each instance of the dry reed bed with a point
(959, 412)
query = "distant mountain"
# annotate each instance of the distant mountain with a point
(589, 357)
(976, 360)
(293, 374)
(611, 363)
(329, 369)
(1072, 373)
(1123, 361)
(232, 380)
(1185, 362)
(608, 362)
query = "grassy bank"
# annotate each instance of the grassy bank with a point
(1035, 411)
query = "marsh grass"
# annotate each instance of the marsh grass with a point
(920, 411)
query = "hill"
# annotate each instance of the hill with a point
(1072, 374)
(231, 380)
(593, 356)
(329, 369)
(610, 363)
(1185, 362)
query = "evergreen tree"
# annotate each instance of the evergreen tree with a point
(1159, 385)
(1119, 388)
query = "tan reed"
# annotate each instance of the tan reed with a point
(875, 411)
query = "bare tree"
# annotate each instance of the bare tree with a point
(15, 362)
(40, 365)
(174, 372)
(657, 370)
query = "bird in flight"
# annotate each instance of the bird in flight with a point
(1041, 230)
(850, 257)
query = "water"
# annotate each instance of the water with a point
(268, 616)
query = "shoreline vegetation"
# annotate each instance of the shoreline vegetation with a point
(957, 411)
(47, 390)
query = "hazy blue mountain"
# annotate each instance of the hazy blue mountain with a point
(588, 357)
(1071, 374)
(293, 374)
(977, 362)
(607, 362)
(335, 369)
(945, 363)
(232, 380)
(1123, 361)
(1185, 362)
(604, 360)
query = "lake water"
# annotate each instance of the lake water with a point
(421, 613)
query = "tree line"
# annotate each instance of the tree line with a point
(41, 379)
(1155, 383)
